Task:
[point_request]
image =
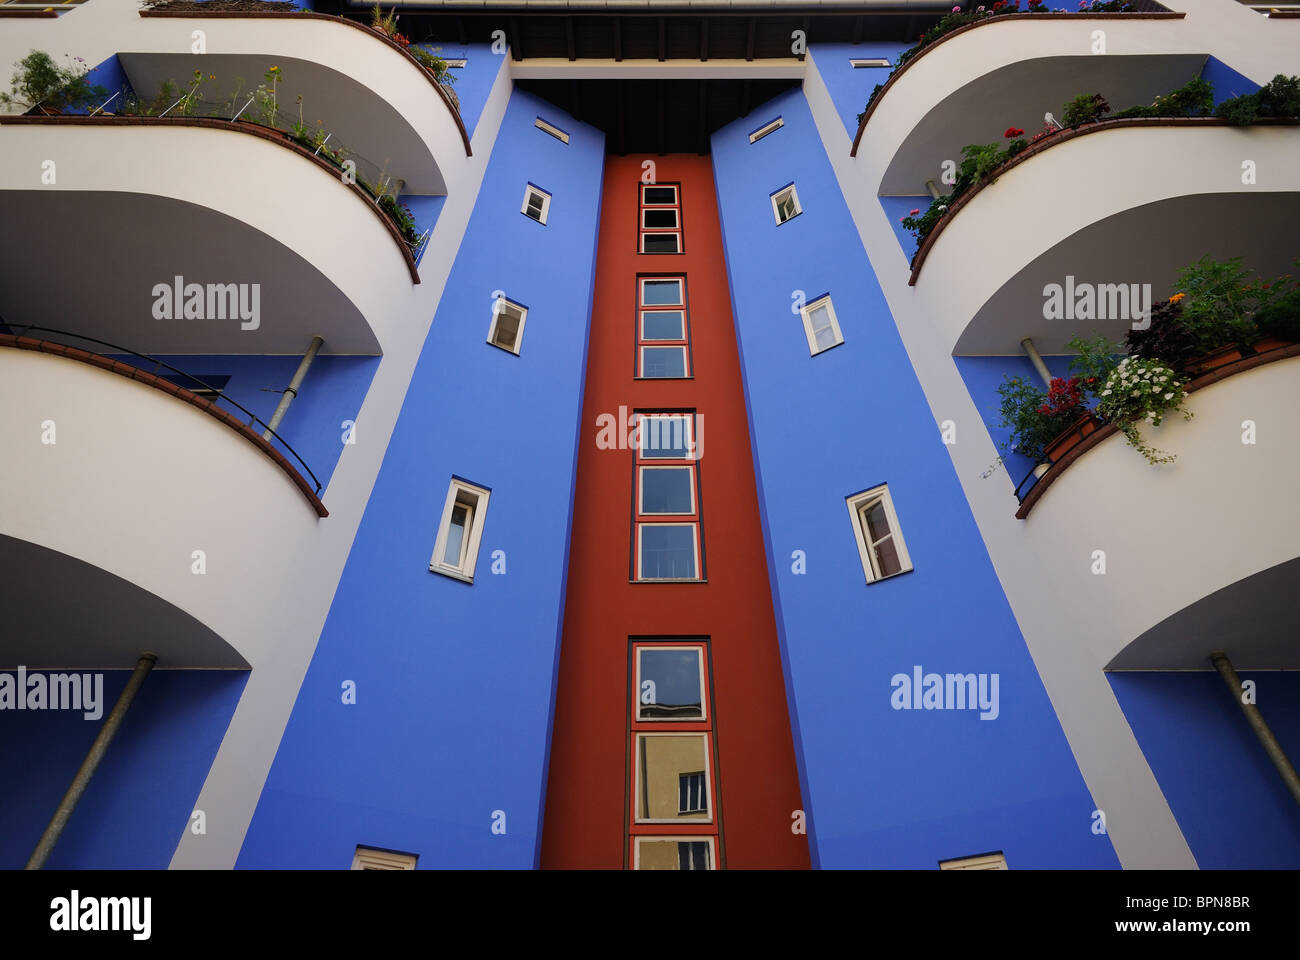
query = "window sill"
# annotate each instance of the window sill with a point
(705, 580)
(827, 350)
(892, 576)
(663, 378)
(451, 574)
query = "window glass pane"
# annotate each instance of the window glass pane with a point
(663, 325)
(664, 438)
(663, 361)
(661, 293)
(823, 335)
(659, 218)
(507, 328)
(667, 551)
(676, 694)
(659, 243)
(887, 558)
(456, 534)
(660, 195)
(693, 854)
(664, 760)
(670, 854)
(666, 490)
(876, 520)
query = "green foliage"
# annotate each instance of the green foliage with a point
(1193, 99)
(39, 81)
(1221, 302)
(1142, 390)
(1281, 317)
(401, 216)
(1084, 108)
(1024, 412)
(1094, 361)
(1280, 97)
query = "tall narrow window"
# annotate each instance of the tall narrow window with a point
(507, 328)
(880, 541)
(785, 204)
(820, 325)
(667, 522)
(537, 203)
(663, 339)
(673, 792)
(455, 551)
(660, 219)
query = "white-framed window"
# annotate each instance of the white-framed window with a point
(785, 204)
(537, 203)
(668, 551)
(552, 129)
(455, 551)
(858, 64)
(369, 858)
(987, 861)
(820, 325)
(666, 436)
(457, 63)
(666, 765)
(662, 292)
(880, 540)
(674, 853)
(770, 127)
(670, 684)
(507, 328)
(666, 490)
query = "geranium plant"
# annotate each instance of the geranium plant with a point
(1140, 390)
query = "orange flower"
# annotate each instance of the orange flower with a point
(1176, 297)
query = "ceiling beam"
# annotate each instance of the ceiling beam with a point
(618, 39)
(749, 42)
(704, 39)
(857, 30)
(662, 52)
(460, 31)
(568, 38)
(807, 32)
(516, 40)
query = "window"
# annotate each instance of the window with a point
(673, 853)
(207, 386)
(785, 204)
(769, 127)
(368, 858)
(869, 62)
(820, 325)
(456, 64)
(537, 203)
(660, 218)
(988, 861)
(667, 509)
(663, 343)
(455, 551)
(880, 542)
(553, 130)
(672, 781)
(507, 329)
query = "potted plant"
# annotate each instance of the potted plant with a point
(1036, 419)
(1142, 390)
(41, 85)
(1065, 404)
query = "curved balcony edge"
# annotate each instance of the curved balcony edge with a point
(309, 15)
(238, 126)
(1004, 18)
(1105, 431)
(180, 393)
(1064, 136)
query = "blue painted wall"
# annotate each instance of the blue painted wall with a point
(1227, 82)
(139, 803)
(455, 682)
(883, 787)
(1227, 797)
(112, 78)
(850, 88)
(472, 82)
(333, 392)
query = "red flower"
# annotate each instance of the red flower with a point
(1013, 132)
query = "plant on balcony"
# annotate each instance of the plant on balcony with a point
(1280, 319)
(267, 97)
(1280, 97)
(1140, 390)
(1085, 108)
(220, 6)
(1221, 301)
(167, 95)
(1166, 336)
(1034, 418)
(1195, 98)
(40, 84)
(402, 217)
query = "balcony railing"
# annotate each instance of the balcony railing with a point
(20, 339)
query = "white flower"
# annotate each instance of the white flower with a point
(1136, 392)
(1105, 393)
(1168, 396)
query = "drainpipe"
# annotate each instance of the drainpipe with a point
(1032, 352)
(291, 390)
(933, 188)
(88, 766)
(1256, 721)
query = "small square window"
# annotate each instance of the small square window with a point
(661, 293)
(765, 129)
(691, 797)
(550, 128)
(537, 204)
(663, 363)
(455, 551)
(869, 62)
(785, 204)
(663, 325)
(670, 684)
(667, 551)
(368, 858)
(657, 196)
(507, 328)
(667, 490)
(660, 243)
(987, 861)
(673, 782)
(665, 437)
(880, 541)
(820, 325)
(674, 853)
(659, 218)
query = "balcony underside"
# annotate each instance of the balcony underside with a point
(127, 243)
(61, 612)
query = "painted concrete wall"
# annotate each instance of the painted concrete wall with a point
(143, 793)
(884, 787)
(455, 681)
(1229, 799)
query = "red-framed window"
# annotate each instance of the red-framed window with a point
(659, 219)
(667, 539)
(663, 327)
(673, 812)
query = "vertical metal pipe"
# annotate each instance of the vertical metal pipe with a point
(291, 390)
(1032, 352)
(45, 846)
(933, 189)
(1256, 721)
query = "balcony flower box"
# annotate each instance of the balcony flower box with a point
(1265, 344)
(1072, 437)
(1215, 359)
